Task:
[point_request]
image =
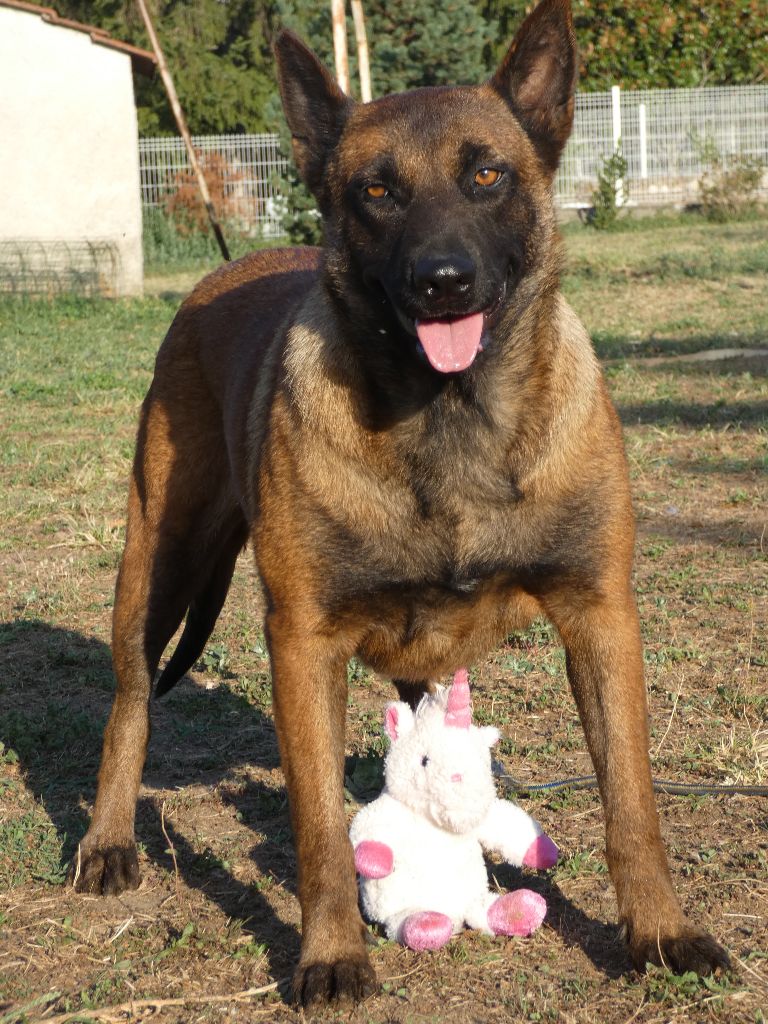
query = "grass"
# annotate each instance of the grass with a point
(166, 242)
(216, 914)
(669, 290)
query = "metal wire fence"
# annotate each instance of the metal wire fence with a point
(53, 267)
(667, 138)
(242, 172)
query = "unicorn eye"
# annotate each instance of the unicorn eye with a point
(424, 761)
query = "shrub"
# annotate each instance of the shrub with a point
(300, 219)
(184, 205)
(165, 242)
(729, 186)
(611, 192)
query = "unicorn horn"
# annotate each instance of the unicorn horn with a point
(459, 711)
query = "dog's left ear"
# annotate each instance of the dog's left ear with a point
(315, 107)
(538, 77)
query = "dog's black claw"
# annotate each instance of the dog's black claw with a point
(312, 984)
(695, 951)
(105, 872)
(345, 981)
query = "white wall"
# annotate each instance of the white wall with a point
(68, 132)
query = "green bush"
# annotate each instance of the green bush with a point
(169, 241)
(165, 242)
(300, 218)
(729, 186)
(611, 193)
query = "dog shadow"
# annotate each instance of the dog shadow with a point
(600, 941)
(237, 900)
(55, 697)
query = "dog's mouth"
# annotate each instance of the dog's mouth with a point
(451, 344)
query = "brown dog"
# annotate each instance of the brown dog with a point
(412, 430)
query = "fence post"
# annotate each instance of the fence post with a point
(616, 121)
(643, 141)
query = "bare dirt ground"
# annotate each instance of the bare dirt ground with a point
(212, 933)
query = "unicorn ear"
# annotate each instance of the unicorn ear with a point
(458, 712)
(398, 720)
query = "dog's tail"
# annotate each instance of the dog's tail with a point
(203, 612)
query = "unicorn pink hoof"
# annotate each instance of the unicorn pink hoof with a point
(426, 930)
(517, 913)
(542, 853)
(373, 860)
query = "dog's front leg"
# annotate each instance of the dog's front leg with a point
(310, 700)
(601, 635)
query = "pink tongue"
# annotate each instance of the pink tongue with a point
(451, 345)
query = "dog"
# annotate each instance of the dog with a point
(412, 431)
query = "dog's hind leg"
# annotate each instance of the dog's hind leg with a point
(182, 524)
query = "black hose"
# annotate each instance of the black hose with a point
(518, 787)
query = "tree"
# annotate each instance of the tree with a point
(661, 45)
(655, 44)
(220, 51)
(412, 42)
(434, 42)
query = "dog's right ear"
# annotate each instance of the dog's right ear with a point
(538, 77)
(315, 107)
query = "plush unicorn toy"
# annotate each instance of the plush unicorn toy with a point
(419, 846)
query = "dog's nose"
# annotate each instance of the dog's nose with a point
(440, 279)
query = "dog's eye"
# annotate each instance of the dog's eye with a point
(377, 191)
(487, 176)
(424, 761)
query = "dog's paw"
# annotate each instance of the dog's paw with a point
(343, 981)
(106, 871)
(694, 950)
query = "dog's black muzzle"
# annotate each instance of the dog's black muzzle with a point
(444, 284)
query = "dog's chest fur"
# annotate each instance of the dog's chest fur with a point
(441, 507)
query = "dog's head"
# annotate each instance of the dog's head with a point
(437, 202)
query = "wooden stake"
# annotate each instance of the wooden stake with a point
(340, 55)
(362, 51)
(178, 113)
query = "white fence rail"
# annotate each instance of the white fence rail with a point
(661, 131)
